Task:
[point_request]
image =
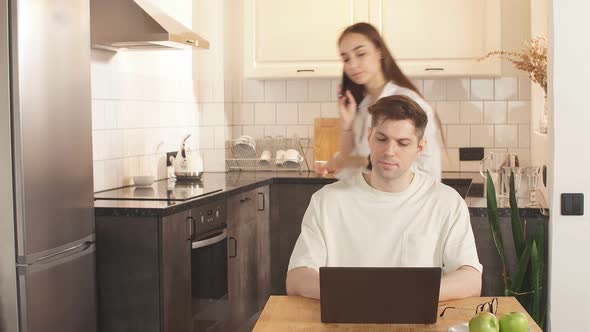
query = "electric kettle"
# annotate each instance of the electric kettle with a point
(187, 165)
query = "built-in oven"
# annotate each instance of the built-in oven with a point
(210, 304)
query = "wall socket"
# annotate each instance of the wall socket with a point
(470, 154)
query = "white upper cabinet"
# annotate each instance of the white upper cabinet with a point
(297, 38)
(440, 37)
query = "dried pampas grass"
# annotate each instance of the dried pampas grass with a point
(531, 59)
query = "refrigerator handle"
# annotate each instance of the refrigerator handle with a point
(84, 245)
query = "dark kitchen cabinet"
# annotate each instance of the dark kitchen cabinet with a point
(248, 263)
(175, 271)
(287, 207)
(143, 267)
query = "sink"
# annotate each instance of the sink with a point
(460, 185)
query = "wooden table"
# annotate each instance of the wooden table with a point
(294, 313)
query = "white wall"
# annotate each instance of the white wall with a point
(140, 99)
(569, 266)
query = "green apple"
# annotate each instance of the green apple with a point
(484, 322)
(514, 322)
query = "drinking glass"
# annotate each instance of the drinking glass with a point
(533, 175)
(505, 172)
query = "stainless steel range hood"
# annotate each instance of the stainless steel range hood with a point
(138, 25)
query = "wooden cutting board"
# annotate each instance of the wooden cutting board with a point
(326, 135)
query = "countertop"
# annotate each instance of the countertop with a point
(232, 183)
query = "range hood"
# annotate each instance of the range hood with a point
(138, 25)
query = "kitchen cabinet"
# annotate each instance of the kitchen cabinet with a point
(434, 37)
(288, 205)
(427, 37)
(296, 38)
(143, 273)
(176, 272)
(248, 263)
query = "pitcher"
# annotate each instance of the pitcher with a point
(494, 163)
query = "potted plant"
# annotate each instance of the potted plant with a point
(527, 284)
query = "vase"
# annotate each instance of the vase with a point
(543, 123)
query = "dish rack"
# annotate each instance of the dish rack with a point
(247, 157)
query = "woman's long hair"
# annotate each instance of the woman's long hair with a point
(390, 69)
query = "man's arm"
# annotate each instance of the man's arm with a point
(461, 283)
(303, 281)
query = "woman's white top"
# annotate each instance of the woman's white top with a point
(429, 161)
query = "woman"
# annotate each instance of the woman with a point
(374, 74)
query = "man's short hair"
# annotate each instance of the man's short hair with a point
(399, 107)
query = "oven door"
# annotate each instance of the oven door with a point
(210, 304)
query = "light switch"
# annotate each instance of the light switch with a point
(572, 204)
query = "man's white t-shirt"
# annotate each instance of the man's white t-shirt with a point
(429, 161)
(349, 223)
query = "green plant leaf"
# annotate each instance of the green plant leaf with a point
(523, 265)
(494, 222)
(538, 265)
(536, 282)
(517, 230)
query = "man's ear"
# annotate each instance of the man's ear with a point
(421, 145)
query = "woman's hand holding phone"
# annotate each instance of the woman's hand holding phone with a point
(347, 110)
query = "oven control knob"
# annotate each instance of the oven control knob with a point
(217, 213)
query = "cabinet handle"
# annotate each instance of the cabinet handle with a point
(235, 247)
(263, 201)
(305, 70)
(242, 200)
(190, 227)
(434, 69)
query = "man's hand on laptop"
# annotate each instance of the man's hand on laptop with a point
(303, 281)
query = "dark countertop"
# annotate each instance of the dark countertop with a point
(231, 183)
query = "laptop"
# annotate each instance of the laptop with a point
(389, 295)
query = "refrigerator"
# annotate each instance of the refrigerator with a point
(47, 250)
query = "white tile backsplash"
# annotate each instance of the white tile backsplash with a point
(450, 160)
(132, 112)
(482, 89)
(457, 136)
(519, 112)
(299, 131)
(524, 136)
(213, 114)
(287, 114)
(471, 112)
(524, 88)
(449, 112)
(253, 91)
(435, 89)
(506, 88)
(297, 90)
(495, 112)
(319, 90)
(308, 112)
(264, 114)
(275, 131)
(329, 110)
(243, 114)
(458, 89)
(482, 136)
(274, 91)
(506, 136)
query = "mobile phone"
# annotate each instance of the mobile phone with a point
(346, 82)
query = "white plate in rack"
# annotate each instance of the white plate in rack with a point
(464, 327)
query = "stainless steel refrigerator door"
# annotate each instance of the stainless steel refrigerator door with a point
(56, 294)
(50, 47)
(8, 294)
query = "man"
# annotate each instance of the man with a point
(390, 216)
